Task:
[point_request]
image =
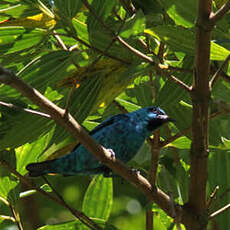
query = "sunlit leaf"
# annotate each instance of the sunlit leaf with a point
(9, 190)
(28, 153)
(99, 198)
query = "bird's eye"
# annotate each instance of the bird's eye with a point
(156, 110)
(153, 109)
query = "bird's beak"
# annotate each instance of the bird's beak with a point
(166, 118)
(171, 119)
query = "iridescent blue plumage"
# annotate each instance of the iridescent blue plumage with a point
(123, 133)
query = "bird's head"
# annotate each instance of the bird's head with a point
(156, 117)
(149, 119)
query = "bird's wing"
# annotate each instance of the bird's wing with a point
(105, 123)
(108, 121)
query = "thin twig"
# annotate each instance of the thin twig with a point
(16, 217)
(94, 48)
(214, 18)
(53, 189)
(145, 46)
(224, 75)
(68, 99)
(173, 78)
(28, 65)
(217, 201)
(135, 51)
(212, 196)
(160, 54)
(15, 107)
(174, 137)
(63, 201)
(217, 73)
(220, 211)
(153, 91)
(60, 42)
(128, 6)
(120, 107)
(81, 216)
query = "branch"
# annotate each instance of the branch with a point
(218, 212)
(80, 215)
(164, 72)
(94, 48)
(200, 96)
(60, 42)
(15, 107)
(219, 14)
(155, 150)
(218, 72)
(70, 124)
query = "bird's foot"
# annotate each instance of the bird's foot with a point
(136, 171)
(112, 153)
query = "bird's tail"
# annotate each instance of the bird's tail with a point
(39, 169)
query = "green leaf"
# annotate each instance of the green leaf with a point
(95, 28)
(183, 40)
(102, 10)
(218, 53)
(18, 128)
(182, 12)
(161, 220)
(98, 198)
(68, 8)
(178, 38)
(181, 143)
(142, 91)
(46, 70)
(134, 25)
(28, 153)
(9, 190)
(18, 39)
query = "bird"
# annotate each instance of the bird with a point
(122, 134)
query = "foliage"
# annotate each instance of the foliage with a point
(62, 50)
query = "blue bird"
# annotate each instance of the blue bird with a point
(124, 134)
